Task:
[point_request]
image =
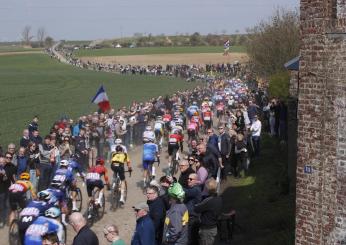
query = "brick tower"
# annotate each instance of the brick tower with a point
(321, 165)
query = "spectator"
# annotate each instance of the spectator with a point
(35, 137)
(185, 171)
(208, 157)
(202, 172)
(84, 236)
(11, 148)
(145, 230)
(224, 146)
(252, 111)
(212, 138)
(165, 183)
(175, 230)
(193, 196)
(111, 233)
(255, 130)
(240, 156)
(22, 161)
(80, 147)
(209, 209)
(157, 211)
(65, 149)
(33, 126)
(45, 164)
(50, 239)
(4, 185)
(94, 139)
(33, 163)
(24, 141)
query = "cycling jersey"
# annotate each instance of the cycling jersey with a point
(65, 176)
(74, 166)
(159, 125)
(58, 196)
(149, 151)
(207, 116)
(96, 172)
(175, 138)
(21, 186)
(167, 118)
(41, 226)
(119, 158)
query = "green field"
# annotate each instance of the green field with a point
(36, 84)
(154, 50)
(8, 48)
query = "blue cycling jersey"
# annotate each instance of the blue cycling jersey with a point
(64, 175)
(74, 166)
(41, 226)
(149, 151)
(58, 196)
(34, 209)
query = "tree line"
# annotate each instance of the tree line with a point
(40, 40)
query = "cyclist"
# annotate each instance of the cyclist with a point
(207, 118)
(150, 152)
(49, 223)
(75, 166)
(119, 158)
(17, 194)
(65, 176)
(167, 118)
(174, 140)
(192, 109)
(148, 134)
(93, 179)
(32, 211)
(59, 198)
(158, 130)
(117, 142)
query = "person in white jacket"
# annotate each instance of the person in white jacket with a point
(255, 130)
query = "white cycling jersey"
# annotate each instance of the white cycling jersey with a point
(150, 135)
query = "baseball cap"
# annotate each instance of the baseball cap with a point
(141, 205)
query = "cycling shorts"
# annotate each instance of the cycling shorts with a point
(120, 170)
(147, 164)
(172, 148)
(17, 199)
(91, 184)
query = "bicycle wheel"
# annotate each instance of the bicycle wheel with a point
(79, 199)
(14, 238)
(90, 214)
(115, 197)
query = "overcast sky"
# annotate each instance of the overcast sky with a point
(99, 19)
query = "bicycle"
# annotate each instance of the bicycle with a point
(95, 212)
(175, 162)
(116, 191)
(13, 232)
(79, 199)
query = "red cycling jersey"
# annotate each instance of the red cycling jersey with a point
(175, 138)
(100, 169)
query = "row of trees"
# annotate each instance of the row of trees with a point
(41, 40)
(195, 39)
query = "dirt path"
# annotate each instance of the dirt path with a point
(163, 59)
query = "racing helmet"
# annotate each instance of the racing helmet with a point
(176, 191)
(52, 212)
(194, 103)
(159, 118)
(148, 128)
(119, 148)
(56, 184)
(100, 160)
(118, 141)
(24, 176)
(64, 163)
(44, 195)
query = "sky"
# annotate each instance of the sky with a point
(106, 19)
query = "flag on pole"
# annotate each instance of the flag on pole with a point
(226, 45)
(101, 99)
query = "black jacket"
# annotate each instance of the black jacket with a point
(193, 196)
(157, 212)
(225, 144)
(183, 178)
(85, 236)
(210, 209)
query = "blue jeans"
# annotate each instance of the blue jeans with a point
(256, 145)
(3, 206)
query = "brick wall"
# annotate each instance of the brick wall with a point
(321, 194)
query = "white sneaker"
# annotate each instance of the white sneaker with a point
(89, 216)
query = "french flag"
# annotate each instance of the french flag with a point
(101, 99)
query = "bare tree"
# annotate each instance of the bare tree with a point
(26, 35)
(272, 43)
(48, 41)
(41, 34)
